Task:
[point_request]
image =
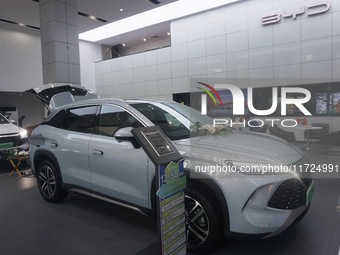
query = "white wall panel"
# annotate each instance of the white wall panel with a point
(316, 71)
(179, 69)
(150, 58)
(237, 41)
(215, 29)
(151, 73)
(151, 88)
(179, 52)
(316, 27)
(236, 24)
(237, 60)
(196, 49)
(261, 57)
(195, 33)
(216, 45)
(164, 55)
(287, 32)
(164, 71)
(287, 54)
(316, 50)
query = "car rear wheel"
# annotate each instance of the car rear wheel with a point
(202, 228)
(49, 182)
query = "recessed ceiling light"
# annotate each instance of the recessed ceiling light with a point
(144, 39)
(165, 13)
(121, 9)
(92, 17)
(21, 24)
(123, 45)
(168, 33)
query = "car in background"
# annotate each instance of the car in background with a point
(87, 146)
(11, 136)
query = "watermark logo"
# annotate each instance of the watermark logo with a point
(239, 101)
(212, 93)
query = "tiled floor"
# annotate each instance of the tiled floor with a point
(81, 225)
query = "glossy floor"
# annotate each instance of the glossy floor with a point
(81, 225)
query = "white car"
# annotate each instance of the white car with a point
(86, 146)
(11, 136)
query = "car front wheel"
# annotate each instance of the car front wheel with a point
(202, 228)
(49, 182)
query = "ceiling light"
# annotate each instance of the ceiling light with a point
(123, 45)
(121, 10)
(21, 24)
(168, 33)
(154, 16)
(92, 17)
(144, 39)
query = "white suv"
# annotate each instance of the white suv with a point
(87, 147)
(11, 136)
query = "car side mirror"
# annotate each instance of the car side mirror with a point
(124, 134)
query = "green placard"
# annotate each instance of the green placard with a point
(6, 145)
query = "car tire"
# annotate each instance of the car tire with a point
(202, 226)
(49, 182)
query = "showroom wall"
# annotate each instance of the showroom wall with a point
(21, 63)
(20, 58)
(231, 43)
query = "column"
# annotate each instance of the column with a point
(59, 41)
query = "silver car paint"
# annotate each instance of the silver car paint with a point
(132, 182)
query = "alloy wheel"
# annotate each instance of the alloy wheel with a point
(197, 223)
(47, 181)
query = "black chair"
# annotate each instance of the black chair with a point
(285, 135)
(317, 133)
(330, 139)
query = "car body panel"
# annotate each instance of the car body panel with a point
(126, 179)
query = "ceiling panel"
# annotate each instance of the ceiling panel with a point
(27, 12)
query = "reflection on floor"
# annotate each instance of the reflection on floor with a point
(81, 225)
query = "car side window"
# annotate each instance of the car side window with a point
(80, 119)
(112, 118)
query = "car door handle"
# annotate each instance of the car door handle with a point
(99, 152)
(53, 144)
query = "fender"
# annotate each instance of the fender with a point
(41, 155)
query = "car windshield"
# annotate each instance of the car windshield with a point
(3, 120)
(194, 116)
(171, 125)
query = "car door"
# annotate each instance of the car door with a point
(70, 144)
(118, 169)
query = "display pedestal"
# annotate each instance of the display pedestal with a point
(170, 185)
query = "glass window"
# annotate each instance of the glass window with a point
(112, 118)
(170, 125)
(80, 119)
(3, 120)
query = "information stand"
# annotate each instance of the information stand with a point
(171, 183)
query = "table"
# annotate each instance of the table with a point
(19, 159)
(307, 128)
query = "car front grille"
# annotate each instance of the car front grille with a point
(291, 194)
(15, 139)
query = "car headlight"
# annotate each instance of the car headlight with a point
(23, 133)
(249, 168)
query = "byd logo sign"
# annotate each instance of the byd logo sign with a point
(310, 10)
(239, 100)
